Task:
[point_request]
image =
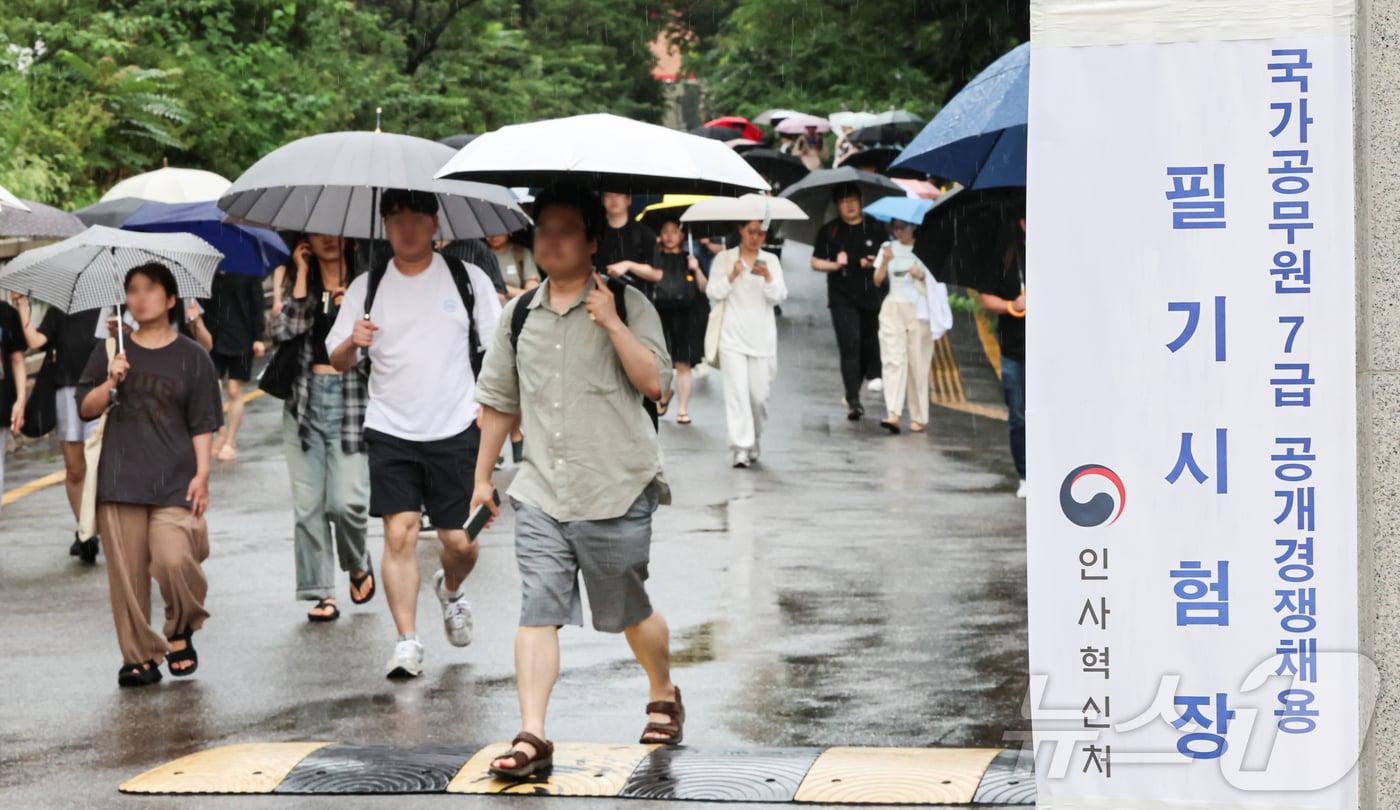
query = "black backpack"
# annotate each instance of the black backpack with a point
(464, 289)
(619, 291)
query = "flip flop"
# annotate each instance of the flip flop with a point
(683, 419)
(324, 617)
(356, 583)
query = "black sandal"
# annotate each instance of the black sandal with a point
(325, 602)
(668, 733)
(358, 582)
(138, 674)
(177, 656)
(525, 766)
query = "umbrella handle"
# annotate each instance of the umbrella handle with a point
(121, 343)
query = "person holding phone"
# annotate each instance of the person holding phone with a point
(161, 398)
(323, 433)
(906, 342)
(592, 475)
(749, 282)
(845, 250)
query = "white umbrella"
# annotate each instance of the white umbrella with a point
(797, 124)
(8, 200)
(853, 120)
(88, 271)
(606, 151)
(747, 208)
(329, 183)
(170, 186)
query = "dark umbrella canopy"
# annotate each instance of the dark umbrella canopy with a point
(979, 128)
(39, 222)
(813, 195)
(458, 141)
(715, 133)
(111, 213)
(885, 134)
(781, 170)
(248, 251)
(964, 238)
(876, 158)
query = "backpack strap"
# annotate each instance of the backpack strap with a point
(462, 280)
(518, 316)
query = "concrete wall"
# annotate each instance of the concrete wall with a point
(1378, 385)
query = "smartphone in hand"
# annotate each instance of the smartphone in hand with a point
(481, 515)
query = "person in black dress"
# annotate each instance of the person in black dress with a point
(680, 300)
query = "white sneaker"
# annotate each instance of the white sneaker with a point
(876, 385)
(407, 660)
(456, 613)
(1021, 490)
(741, 459)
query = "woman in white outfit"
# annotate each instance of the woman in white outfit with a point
(748, 281)
(906, 339)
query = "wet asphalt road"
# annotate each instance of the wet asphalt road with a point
(852, 589)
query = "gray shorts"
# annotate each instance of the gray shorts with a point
(611, 554)
(71, 427)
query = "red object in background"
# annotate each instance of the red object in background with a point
(739, 124)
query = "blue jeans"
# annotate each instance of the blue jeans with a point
(1013, 383)
(330, 490)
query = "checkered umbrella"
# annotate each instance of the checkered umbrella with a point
(8, 200)
(88, 271)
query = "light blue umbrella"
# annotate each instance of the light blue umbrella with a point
(979, 137)
(904, 209)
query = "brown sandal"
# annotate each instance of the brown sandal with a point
(526, 766)
(673, 730)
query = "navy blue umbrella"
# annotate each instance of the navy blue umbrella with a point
(248, 251)
(979, 137)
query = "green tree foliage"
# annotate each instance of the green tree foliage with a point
(95, 90)
(826, 55)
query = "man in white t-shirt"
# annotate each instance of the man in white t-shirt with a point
(428, 318)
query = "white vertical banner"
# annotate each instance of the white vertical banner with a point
(1191, 416)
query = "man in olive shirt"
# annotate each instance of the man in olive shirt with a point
(592, 475)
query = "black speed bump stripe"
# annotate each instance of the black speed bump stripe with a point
(377, 769)
(1010, 779)
(769, 775)
(922, 776)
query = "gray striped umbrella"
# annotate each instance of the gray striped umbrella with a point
(8, 200)
(88, 271)
(39, 222)
(330, 183)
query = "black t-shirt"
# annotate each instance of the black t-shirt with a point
(11, 341)
(234, 314)
(72, 339)
(169, 396)
(853, 285)
(633, 242)
(1011, 331)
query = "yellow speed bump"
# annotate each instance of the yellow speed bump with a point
(250, 768)
(580, 769)
(895, 776)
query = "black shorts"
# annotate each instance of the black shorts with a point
(436, 477)
(234, 366)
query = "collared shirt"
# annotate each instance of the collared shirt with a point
(590, 448)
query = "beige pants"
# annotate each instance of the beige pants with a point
(906, 352)
(166, 544)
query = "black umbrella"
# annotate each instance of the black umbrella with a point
(876, 158)
(964, 238)
(781, 170)
(112, 213)
(716, 133)
(39, 222)
(458, 141)
(886, 134)
(813, 194)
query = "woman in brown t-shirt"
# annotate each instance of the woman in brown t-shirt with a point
(161, 400)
